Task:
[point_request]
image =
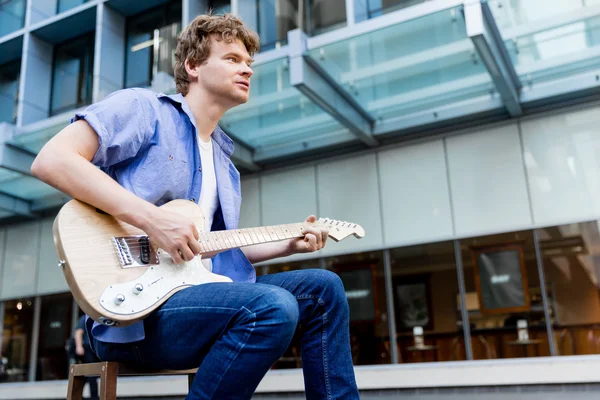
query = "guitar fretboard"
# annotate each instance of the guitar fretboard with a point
(225, 240)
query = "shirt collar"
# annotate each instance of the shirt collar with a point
(218, 135)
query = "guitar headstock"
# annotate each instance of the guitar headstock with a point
(339, 230)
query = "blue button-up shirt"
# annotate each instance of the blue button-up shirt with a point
(148, 144)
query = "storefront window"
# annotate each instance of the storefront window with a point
(504, 299)
(571, 255)
(55, 330)
(362, 275)
(16, 340)
(427, 310)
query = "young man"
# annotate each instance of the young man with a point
(157, 148)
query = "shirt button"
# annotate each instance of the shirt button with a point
(193, 200)
(199, 169)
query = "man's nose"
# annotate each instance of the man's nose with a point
(247, 71)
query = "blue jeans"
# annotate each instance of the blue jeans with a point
(234, 332)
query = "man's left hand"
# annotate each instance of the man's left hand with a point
(314, 238)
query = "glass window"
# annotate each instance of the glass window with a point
(362, 275)
(426, 305)
(146, 65)
(275, 18)
(9, 91)
(504, 299)
(16, 340)
(324, 15)
(64, 5)
(571, 256)
(55, 330)
(12, 16)
(72, 74)
(366, 9)
(219, 6)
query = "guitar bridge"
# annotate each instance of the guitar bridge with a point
(135, 251)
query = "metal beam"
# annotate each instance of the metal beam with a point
(15, 205)
(310, 79)
(16, 159)
(484, 33)
(243, 156)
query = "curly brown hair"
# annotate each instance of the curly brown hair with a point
(193, 43)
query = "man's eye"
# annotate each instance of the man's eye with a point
(231, 59)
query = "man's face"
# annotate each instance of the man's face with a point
(226, 73)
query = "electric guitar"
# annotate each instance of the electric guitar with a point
(118, 276)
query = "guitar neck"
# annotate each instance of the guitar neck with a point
(225, 240)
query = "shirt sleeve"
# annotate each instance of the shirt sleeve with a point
(122, 124)
(81, 323)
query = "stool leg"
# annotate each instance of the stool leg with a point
(108, 381)
(75, 389)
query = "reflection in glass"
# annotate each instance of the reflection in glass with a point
(549, 41)
(275, 18)
(64, 5)
(367, 9)
(12, 16)
(409, 67)
(9, 91)
(571, 256)
(147, 65)
(324, 16)
(503, 293)
(72, 74)
(16, 340)
(219, 6)
(362, 275)
(425, 290)
(55, 330)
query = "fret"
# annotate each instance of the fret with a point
(279, 232)
(241, 237)
(259, 235)
(272, 233)
(265, 234)
(223, 243)
(247, 236)
(230, 240)
(210, 241)
(203, 242)
(235, 239)
(286, 231)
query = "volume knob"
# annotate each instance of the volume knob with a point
(137, 289)
(119, 299)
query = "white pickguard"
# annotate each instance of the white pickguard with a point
(157, 282)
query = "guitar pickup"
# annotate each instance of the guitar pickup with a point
(135, 251)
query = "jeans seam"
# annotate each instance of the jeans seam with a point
(323, 342)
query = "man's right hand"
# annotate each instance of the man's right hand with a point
(79, 350)
(173, 233)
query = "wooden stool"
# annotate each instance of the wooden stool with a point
(108, 372)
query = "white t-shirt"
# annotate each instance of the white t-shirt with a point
(209, 199)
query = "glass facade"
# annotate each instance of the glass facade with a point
(72, 74)
(64, 5)
(366, 9)
(12, 16)
(150, 47)
(9, 91)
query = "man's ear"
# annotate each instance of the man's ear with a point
(192, 71)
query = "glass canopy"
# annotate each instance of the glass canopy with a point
(549, 40)
(278, 115)
(408, 67)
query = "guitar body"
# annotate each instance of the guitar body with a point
(95, 273)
